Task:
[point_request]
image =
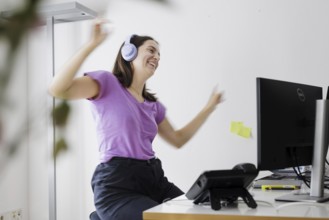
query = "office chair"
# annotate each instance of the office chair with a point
(94, 216)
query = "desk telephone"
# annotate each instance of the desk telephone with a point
(224, 186)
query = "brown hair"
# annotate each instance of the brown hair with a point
(123, 69)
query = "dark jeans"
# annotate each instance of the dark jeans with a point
(123, 188)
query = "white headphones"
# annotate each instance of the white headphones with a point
(128, 50)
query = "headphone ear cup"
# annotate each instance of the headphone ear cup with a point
(129, 52)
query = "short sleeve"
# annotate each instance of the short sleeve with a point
(161, 112)
(105, 81)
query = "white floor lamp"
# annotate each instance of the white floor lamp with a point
(53, 14)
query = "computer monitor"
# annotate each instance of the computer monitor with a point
(286, 122)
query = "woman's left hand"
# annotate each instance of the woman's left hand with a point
(215, 98)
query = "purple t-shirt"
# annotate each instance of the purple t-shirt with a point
(125, 127)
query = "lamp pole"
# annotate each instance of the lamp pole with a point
(53, 14)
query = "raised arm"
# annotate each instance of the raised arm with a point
(64, 85)
(179, 137)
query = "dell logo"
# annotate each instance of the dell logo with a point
(301, 95)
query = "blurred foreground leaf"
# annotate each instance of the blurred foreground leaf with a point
(60, 146)
(60, 114)
(14, 25)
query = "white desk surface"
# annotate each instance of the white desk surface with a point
(183, 209)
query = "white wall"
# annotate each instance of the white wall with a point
(24, 181)
(39, 154)
(203, 43)
(14, 150)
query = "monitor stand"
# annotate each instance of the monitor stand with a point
(302, 196)
(316, 193)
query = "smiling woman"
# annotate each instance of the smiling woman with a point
(129, 178)
(146, 65)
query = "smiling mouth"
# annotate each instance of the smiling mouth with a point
(153, 65)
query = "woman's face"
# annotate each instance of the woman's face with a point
(147, 60)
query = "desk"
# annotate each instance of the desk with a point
(183, 209)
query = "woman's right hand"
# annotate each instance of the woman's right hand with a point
(65, 85)
(98, 34)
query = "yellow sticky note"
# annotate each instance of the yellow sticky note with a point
(235, 126)
(238, 128)
(245, 132)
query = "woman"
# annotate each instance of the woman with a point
(129, 178)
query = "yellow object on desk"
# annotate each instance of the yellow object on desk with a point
(279, 187)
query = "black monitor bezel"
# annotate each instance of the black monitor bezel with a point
(302, 153)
